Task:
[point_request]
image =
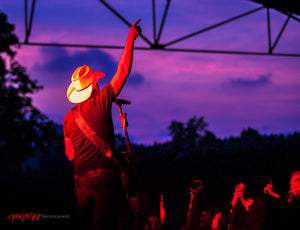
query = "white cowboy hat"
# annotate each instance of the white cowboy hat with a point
(83, 83)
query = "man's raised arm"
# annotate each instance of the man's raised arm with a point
(125, 63)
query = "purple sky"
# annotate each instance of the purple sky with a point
(232, 92)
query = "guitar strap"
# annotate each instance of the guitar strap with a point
(100, 143)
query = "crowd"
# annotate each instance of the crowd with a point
(268, 210)
(242, 211)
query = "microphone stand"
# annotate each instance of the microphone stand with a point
(124, 124)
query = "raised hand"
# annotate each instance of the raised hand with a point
(269, 189)
(238, 193)
(135, 30)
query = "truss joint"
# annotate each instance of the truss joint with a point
(157, 46)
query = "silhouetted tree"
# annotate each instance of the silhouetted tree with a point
(186, 136)
(23, 127)
(177, 131)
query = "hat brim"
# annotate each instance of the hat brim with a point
(75, 96)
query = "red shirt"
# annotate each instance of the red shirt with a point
(96, 111)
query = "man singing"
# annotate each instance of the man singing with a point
(90, 139)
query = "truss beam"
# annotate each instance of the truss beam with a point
(28, 27)
(156, 45)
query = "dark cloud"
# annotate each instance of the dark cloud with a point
(244, 82)
(135, 79)
(58, 66)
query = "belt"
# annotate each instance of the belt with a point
(102, 170)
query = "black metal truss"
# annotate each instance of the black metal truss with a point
(156, 45)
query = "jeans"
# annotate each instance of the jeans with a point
(98, 199)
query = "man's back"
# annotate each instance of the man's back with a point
(96, 111)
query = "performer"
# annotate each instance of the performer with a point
(97, 179)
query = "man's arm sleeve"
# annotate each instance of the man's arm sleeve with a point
(69, 149)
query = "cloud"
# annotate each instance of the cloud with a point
(135, 79)
(58, 66)
(262, 80)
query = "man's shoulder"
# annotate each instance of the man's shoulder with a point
(106, 88)
(68, 115)
(106, 91)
